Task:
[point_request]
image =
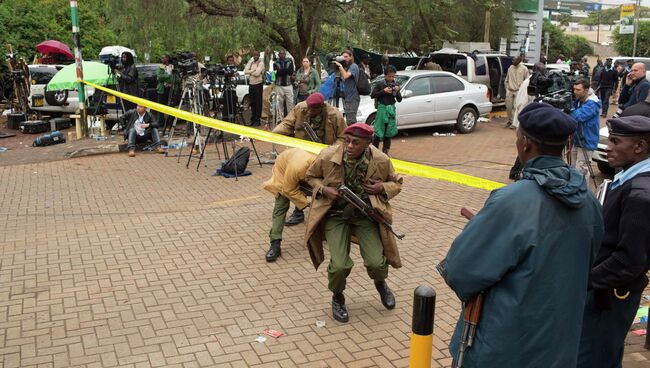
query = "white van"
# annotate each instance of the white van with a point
(483, 68)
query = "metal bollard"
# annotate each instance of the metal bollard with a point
(424, 310)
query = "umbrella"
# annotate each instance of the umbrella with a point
(94, 72)
(54, 47)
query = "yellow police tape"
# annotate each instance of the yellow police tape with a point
(402, 167)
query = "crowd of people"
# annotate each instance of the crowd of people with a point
(564, 264)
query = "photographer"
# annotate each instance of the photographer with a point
(385, 93)
(635, 88)
(127, 77)
(138, 124)
(539, 81)
(255, 71)
(350, 75)
(284, 70)
(586, 109)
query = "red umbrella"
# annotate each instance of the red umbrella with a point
(54, 47)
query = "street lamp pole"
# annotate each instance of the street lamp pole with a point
(82, 127)
(637, 14)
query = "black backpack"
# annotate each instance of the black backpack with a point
(363, 84)
(237, 163)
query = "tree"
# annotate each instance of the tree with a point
(568, 45)
(624, 43)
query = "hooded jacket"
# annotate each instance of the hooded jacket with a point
(529, 250)
(587, 114)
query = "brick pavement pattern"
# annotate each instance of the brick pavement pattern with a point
(111, 261)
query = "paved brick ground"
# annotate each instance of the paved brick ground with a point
(139, 262)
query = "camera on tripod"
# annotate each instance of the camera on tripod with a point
(331, 65)
(113, 61)
(184, 63)
(561, 100)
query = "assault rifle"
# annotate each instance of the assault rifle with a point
(311, 133)
(358, 203)
(471, 314)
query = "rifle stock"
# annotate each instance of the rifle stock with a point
(472, 311)
(311, 133)
(366, 209)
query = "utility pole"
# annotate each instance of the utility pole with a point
(637, 14)
(598, 30)
(488, 16)
(82, 127)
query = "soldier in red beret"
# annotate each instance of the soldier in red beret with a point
(368, 173)
(325, 120)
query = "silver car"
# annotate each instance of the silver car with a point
(432, 98)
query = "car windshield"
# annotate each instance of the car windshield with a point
(399, 79)
(42, 75)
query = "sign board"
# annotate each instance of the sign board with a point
(525, 6)
(592, 7)
(627, 19)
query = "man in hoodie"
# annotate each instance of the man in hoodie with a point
(618, 276)
(586, 111)
(533, 275)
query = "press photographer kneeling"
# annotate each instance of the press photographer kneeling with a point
(139, 126)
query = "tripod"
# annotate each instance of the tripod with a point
(336, 96)
(582, 150)
(193, 96)
(231, 111)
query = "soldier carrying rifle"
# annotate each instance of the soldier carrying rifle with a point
(342, 175)
(527, 254)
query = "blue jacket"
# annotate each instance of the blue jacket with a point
(587, 115)
(529, 250)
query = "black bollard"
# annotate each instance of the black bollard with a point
(424, 310)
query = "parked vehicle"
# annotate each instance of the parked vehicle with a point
(432, 98)
(600, 154)
(487, 69)
(623, 60)
(53, 103)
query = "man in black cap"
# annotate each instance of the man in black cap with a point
(529, 251)
(618, 275)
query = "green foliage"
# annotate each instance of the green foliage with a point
(624, 43)
(610, 16)
(567, 45)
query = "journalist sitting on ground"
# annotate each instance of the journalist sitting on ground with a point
(138, 125)
(586, 111)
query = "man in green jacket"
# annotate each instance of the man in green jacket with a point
(529, 251)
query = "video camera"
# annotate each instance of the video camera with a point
(331, 65)
(112, 61)
(561, 100)
(184, 63)
(218, 70)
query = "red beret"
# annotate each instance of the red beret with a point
(315, 99)
(361, 130)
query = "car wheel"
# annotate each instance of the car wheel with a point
(605, 168)
(371, 119)
(56, 98)
(466, 122)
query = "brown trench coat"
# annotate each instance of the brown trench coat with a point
(328, 170)
(292, 124)
(288, 171)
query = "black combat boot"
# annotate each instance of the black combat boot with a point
(387, 297)
(339, 310)
(274, 251)
(297, 217)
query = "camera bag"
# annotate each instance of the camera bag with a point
(238, 162)
(61, 123)
(34, 126)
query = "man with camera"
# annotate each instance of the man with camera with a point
(138, 125)
(386, 94)
(349, 72)
(284, 71)
(619, 271)
(635, 88)
(127, 77)
(608, 81)
(586, 111)
(254, 69)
